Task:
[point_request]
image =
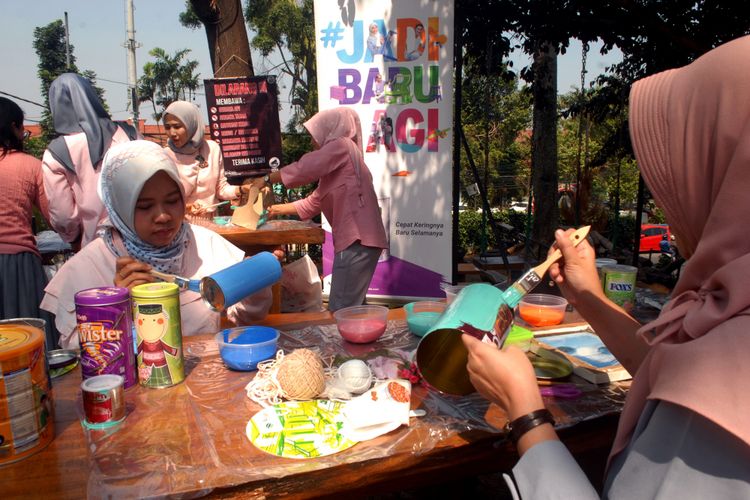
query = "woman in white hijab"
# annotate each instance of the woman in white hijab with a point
(146, 229)
(198, 159)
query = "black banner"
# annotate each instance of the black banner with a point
(243, 115)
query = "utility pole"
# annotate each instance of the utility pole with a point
(67, 44)
(131, 45)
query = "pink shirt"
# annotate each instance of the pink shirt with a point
(348, 201)
(20, 191)
(207, 184)
(74, 205)
(94, 266)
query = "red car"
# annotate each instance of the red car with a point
(651, 236)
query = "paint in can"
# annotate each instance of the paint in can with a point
(105, 333)
(158, 327)
(103, 400)
(230, 285)
(478, 310)
(26, 407)
(619, 285)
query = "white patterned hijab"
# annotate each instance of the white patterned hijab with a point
(190, 116)
(125, 170)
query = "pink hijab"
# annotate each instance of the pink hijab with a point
(690, 129)
(333, 124)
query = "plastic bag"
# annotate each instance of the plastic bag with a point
(301, 290)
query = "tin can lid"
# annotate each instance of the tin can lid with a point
(154, 290)
(101, 295)
(17, 339)
(102, 383)
(620, 268)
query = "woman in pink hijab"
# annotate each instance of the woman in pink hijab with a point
(685, 428)
(345, 195)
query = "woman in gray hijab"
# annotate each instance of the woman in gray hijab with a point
(72, 161)
(198, 159)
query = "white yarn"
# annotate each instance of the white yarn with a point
(355, 375)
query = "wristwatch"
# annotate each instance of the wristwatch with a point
(267, 179)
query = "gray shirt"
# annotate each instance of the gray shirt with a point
(674, 454)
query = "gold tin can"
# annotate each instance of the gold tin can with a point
(156, 317)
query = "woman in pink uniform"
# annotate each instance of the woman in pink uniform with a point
(346, 196)
(198, 159)
(22, 277)
(72, 162)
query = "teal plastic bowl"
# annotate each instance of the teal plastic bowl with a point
(421, 315)
(222, 220)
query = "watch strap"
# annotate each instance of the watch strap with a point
(525, 423)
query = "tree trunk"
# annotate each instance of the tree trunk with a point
(227, 37)
(544, 146)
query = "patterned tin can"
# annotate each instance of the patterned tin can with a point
(619, 285)
(156, 315)
(105, 333)
(103, 400)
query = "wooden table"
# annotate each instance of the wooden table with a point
(190, 439)
(268, 237)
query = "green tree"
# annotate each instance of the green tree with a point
(167, 79)
(49, 45)
(287, 28)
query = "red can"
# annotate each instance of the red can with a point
(104, 399)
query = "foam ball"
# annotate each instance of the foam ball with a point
(301, 375)
(355, 375)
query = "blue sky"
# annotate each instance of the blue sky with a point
(97, 32)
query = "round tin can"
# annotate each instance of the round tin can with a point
(601, 263)
(156, 315)
(230, 285)
(619, 285)
(26, 406)
(105, 333)
(478, 310)
(103, 399)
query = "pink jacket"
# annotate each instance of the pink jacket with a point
(347, 200)
(207, 184)
(21, 191)
(74, 205)
(94, 266)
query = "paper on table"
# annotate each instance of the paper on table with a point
(378, 411)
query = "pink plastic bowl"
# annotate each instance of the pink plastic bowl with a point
(361, 324)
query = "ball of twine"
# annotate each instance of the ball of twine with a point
(355, 375)
(301, 375)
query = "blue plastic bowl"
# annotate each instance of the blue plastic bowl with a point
(242, 348)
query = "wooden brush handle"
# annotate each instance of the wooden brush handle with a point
(578, 236)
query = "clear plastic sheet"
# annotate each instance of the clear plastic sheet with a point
(189, 439)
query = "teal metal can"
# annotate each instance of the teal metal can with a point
(478, 310)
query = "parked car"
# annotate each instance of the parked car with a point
(519, 206)
(651, 236)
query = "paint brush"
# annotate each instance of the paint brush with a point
(183, 283)
(533, 276)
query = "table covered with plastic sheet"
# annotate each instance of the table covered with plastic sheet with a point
(189, 440)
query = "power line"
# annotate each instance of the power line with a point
(22, 99)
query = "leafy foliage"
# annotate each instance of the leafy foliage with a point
(286, 27)
(49, 45)
(167, 79)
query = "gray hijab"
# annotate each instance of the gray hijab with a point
(76, 108)
(190, 116)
